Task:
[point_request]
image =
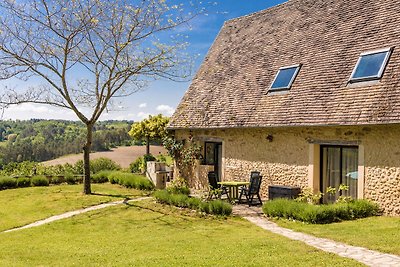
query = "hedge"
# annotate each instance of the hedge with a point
(216, 207)
(320, 214)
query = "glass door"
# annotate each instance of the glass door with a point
(339, 166)
(213, 156)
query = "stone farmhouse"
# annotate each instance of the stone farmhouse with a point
(307, 93)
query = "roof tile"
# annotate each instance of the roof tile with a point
(327, 37)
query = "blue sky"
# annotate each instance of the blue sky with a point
(160, 96)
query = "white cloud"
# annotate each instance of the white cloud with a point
(143, 105)
(31, 108)
(28, 111)
(165, 109)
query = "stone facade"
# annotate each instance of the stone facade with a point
(284, 157)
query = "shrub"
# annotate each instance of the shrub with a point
(20, 168)
(39, 181)
(100, 177)
(161, 158)
(321, 214)
(56, 180)
(140, 164)
(194, 203)
(179, 186)
(70, 178)
(307, 195)
(78, 179)
(219, 207)
(363, 208)
(7, 183)
(78, 167)
(180, 200)
(23, 182)
(204, 207)
(103, 164)
(113, 178)
(168, 160)
(216, 207)
(130, 180)
(162, 196)
(134, 167)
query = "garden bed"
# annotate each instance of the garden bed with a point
(320, 214)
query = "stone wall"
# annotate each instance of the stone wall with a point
(285, 159)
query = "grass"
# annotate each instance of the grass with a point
(25, 205)
(376, 233)
(149, 234)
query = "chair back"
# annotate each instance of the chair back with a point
(212, 180)
(254, 173)
(255, 184)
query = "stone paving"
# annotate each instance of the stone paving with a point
(363, 255)
(75, 212)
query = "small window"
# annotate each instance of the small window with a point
(284, 78)
(370, 65)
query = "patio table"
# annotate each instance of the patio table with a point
(233, 188)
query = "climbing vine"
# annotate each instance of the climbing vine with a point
(184, 153)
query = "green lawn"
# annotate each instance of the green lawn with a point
(148, 234)
(25, 205)
(376, 233)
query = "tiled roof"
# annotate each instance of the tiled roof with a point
(327, 37)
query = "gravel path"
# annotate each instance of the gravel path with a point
(76, 212)
(363, 255)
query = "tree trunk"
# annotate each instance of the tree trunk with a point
(147, 145)
(86, 160)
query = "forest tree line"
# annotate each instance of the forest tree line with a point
(41, 140)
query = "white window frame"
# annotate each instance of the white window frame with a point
(297, 66)
(388, 52)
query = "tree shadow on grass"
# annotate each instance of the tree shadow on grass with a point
(163, 215)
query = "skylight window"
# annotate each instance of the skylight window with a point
(284, 78)
(370, 65)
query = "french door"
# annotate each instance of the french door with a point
(339, 165)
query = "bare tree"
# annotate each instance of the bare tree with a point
(114, 44)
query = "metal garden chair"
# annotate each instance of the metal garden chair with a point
(253, 190)
(216, 190)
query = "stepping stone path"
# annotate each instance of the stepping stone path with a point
(76, 212)
(363, 255)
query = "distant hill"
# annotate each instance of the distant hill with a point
(41, 140)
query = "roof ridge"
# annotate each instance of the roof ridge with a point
(257, 12)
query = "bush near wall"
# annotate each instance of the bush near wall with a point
(130, 180)
(320, 214)
(216, 207)
(140, 164)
